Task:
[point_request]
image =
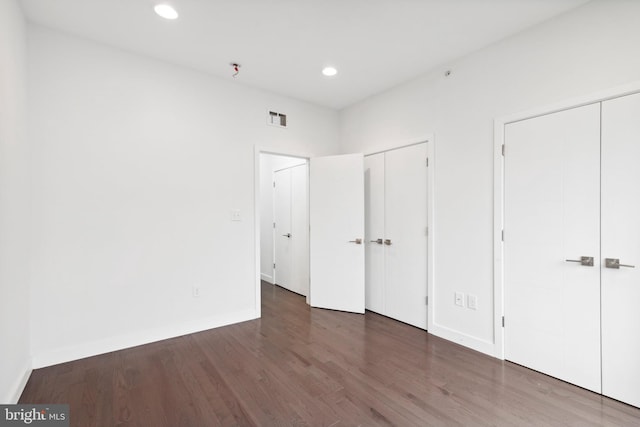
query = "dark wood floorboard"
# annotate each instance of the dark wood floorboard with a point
(299, 366)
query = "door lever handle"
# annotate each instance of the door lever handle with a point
(378, 241)
(288, 235)
(587, 261)
(615, 263)
(357, 241)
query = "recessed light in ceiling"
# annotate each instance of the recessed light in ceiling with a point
(329, 71)
(166, 11)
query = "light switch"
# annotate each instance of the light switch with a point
(472, 302)
(235, 215)
(459, 299)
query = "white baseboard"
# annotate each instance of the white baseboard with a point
(133, 339)
(483, 346)
(266, 277)
(19, 384)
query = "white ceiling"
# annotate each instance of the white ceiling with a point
(283, 44)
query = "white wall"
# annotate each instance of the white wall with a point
(137, 165)
(590, 49)
(269, 163)
(15, 356)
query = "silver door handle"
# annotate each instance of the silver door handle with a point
(387, 242)
(357, 241)
(587, 261)
(288, 235)
(615, 263)
(378, 241)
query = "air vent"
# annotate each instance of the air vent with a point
(277, 119)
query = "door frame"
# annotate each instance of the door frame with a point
(498, 191)
(257, 152)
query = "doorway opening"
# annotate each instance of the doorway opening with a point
(282, 222)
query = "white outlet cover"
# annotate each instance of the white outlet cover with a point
(235, 215)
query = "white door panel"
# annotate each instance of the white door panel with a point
(336, 218)
(621, 240)
(300, 229)
(282, 235)
(374, 232)
(405, 229)
(552, 214)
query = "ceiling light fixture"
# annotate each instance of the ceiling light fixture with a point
(166, 11)
(329, 71)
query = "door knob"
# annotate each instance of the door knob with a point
(378, 241)
(587, 261)
(387, 242)
(357, 241)
(288, 235)
(615, 263)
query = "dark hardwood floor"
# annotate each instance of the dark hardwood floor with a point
(299, 366)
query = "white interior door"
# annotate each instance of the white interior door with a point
(552, 214)
(282, 235)
(374, 232)
(337, 223)
(621, 240)
(405, 226)
(300, 229)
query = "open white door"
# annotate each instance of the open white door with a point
(337, 231)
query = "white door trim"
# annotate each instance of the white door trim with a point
(498, 191)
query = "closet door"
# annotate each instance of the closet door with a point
(552, 219)
(405, 226)
(374, 232)
(282, 238)
(621, 241)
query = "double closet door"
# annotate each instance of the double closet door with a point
(572, 246)
(291, 229)
(396, 234)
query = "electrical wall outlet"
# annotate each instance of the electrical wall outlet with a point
(472, 302)
(195, 291)
(459, 299)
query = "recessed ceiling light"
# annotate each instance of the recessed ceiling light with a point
(166, 11)
(329, 71)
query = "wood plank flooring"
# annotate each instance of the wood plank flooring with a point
(299, 366)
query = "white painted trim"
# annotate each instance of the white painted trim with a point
(431, 237)
(458, 337)
(134, 339)
(498, 251)
(14, 392)
(498, 190)
(401, 143)
(266, 278)
(404, 145)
